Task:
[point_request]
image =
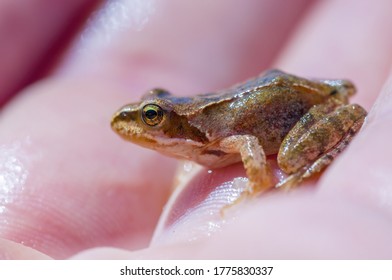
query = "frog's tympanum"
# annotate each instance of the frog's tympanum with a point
(307, 123)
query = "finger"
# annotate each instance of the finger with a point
(31, 35)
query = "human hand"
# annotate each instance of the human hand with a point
(71, 184)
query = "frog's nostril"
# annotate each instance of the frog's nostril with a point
(123, 116)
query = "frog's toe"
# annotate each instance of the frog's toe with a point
(290, 182)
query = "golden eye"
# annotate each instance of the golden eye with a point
(152, 114)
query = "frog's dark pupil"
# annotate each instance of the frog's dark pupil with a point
(151, 114)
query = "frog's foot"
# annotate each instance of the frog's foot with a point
(291, 181)
(324, 160)
(253, 158)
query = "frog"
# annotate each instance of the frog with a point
(306, 123)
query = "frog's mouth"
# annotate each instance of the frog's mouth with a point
(155, 141)
(127, 124)
(132, 132)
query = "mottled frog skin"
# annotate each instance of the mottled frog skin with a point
(307, 123)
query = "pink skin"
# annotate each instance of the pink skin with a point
(68, 183)
(31, 32)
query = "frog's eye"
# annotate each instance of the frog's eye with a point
(152, 114)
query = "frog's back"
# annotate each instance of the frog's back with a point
(266, 80)
(202, 101)
(266, 107)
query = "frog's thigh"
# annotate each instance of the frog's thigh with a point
(314, 115)
(320, 144)
(253, 158)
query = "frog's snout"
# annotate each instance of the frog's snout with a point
(126, 114)
(342, 89)
(122, 120)
(347, 87)
(121, 116)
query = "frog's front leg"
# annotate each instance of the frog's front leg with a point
(253, 158)
(317, 139)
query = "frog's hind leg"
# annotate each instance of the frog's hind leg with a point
(308, 153)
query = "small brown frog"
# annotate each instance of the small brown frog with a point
(307, 123)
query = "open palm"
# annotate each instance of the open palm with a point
(68, 183)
